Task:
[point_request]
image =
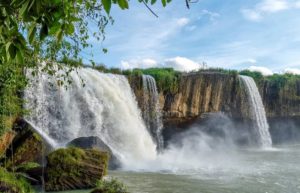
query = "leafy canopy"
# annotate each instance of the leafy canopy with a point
(50, 30)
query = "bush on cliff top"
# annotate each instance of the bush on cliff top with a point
(280, 80)
(167, 79)
(219, 70)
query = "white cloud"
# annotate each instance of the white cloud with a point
(182, 21)
(297, 4)
(143, 63)
(273, 5)
(267, 7)
(294, 71)
(146, 41)
(212, 15)
(252, 15)
(265, 71)
(182, 64)
(178, 63)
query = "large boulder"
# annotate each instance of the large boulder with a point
(27, 146)
(74, 168)
(5, 140)
(96, 143)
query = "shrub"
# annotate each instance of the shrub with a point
(13, 182)
(167, 79)
(111, 186)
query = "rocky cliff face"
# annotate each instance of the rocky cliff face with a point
(198, 94)
(209, 92)
(282, 104)
(203, 93)
(281, 99)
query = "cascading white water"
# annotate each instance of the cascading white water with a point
(105, 107)
(151, 112)
(257, 111)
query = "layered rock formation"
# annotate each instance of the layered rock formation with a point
(74, 168)
(281, 99)
(201, 93)
(282, 104)
(209, 92)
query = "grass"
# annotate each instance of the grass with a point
(14, 182)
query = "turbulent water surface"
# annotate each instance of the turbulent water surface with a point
(243, 171)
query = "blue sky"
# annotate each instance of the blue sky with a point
(233, 34)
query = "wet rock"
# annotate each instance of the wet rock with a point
(27, 146)
(96, 143)
(5, 140)
(75, 168)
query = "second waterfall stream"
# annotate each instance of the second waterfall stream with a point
(258, 112)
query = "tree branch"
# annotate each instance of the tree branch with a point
(150, 9)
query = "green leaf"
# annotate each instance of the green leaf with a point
(164, 2)
(31, 33)
(19, 57)
(71, 29)
(104, 50)
(107, 5)
(55, 28)
(7, 45)
(24, 7)
(123, 4)
(59, 35)
(153, 1)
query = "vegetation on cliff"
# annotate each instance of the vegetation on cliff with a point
(280, 80)
(167, 79)
(218, 70)
(12, 82)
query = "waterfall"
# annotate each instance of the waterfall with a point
(105, 107)
(151, 112)
(257, 111)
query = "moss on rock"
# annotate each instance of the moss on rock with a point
(75, 168)
(27, 146)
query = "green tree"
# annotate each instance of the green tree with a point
(49, 30)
